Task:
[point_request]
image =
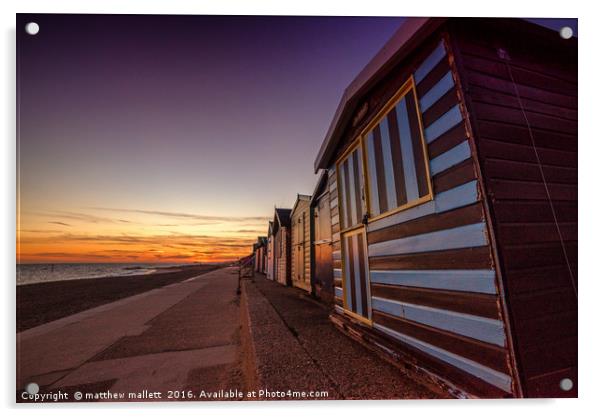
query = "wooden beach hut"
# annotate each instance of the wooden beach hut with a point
(453, 163)
(282, 246)
(270, 252)
(255, 261)
(321, 207)
(260, 251)
(300, 243)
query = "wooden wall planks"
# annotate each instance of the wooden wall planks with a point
(433, 282)
(411, 250)
(539, 288)
(300, 243)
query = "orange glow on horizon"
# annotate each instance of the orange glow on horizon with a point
(141, 237)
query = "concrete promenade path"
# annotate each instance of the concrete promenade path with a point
(178, 337)
(200, 336)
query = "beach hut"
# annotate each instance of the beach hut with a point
(270, 252)
(282, 246)
(321, 206)
(453, 155)
(259, 249)
(255, 249)
(264, 254)
(300, 243)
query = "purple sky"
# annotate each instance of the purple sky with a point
(202, 115)
(182, 107)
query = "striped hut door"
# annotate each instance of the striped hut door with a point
(354, 255)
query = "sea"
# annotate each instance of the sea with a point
(35, 273)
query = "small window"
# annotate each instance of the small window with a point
(395, 153)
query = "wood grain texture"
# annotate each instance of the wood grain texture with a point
(415, 359)
(485, 374)
(455, 176)
(506, 151)
(529, 171)
(450, 219)
(441, 106)
(485, 353)
(470, 280)
(448, 140)
(466, 258)
(468, 236)
(432, 78)
(484, 305)
(536, 276)
(519, 134)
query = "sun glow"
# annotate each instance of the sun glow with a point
(112, 235)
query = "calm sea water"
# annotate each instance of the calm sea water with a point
(32, 273)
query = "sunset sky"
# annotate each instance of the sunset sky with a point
(172, 138)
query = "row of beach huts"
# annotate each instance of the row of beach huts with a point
(298, 248)
(443, 228)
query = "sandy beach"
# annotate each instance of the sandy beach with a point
(44, 302)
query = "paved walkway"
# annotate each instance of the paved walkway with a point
(179, 337)
(297, 348)
(199, 335)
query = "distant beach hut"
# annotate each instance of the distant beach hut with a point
(282, 246)
(453, 155)
(260, 250)
(321, 205)
(270, 252)
(300, 243)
